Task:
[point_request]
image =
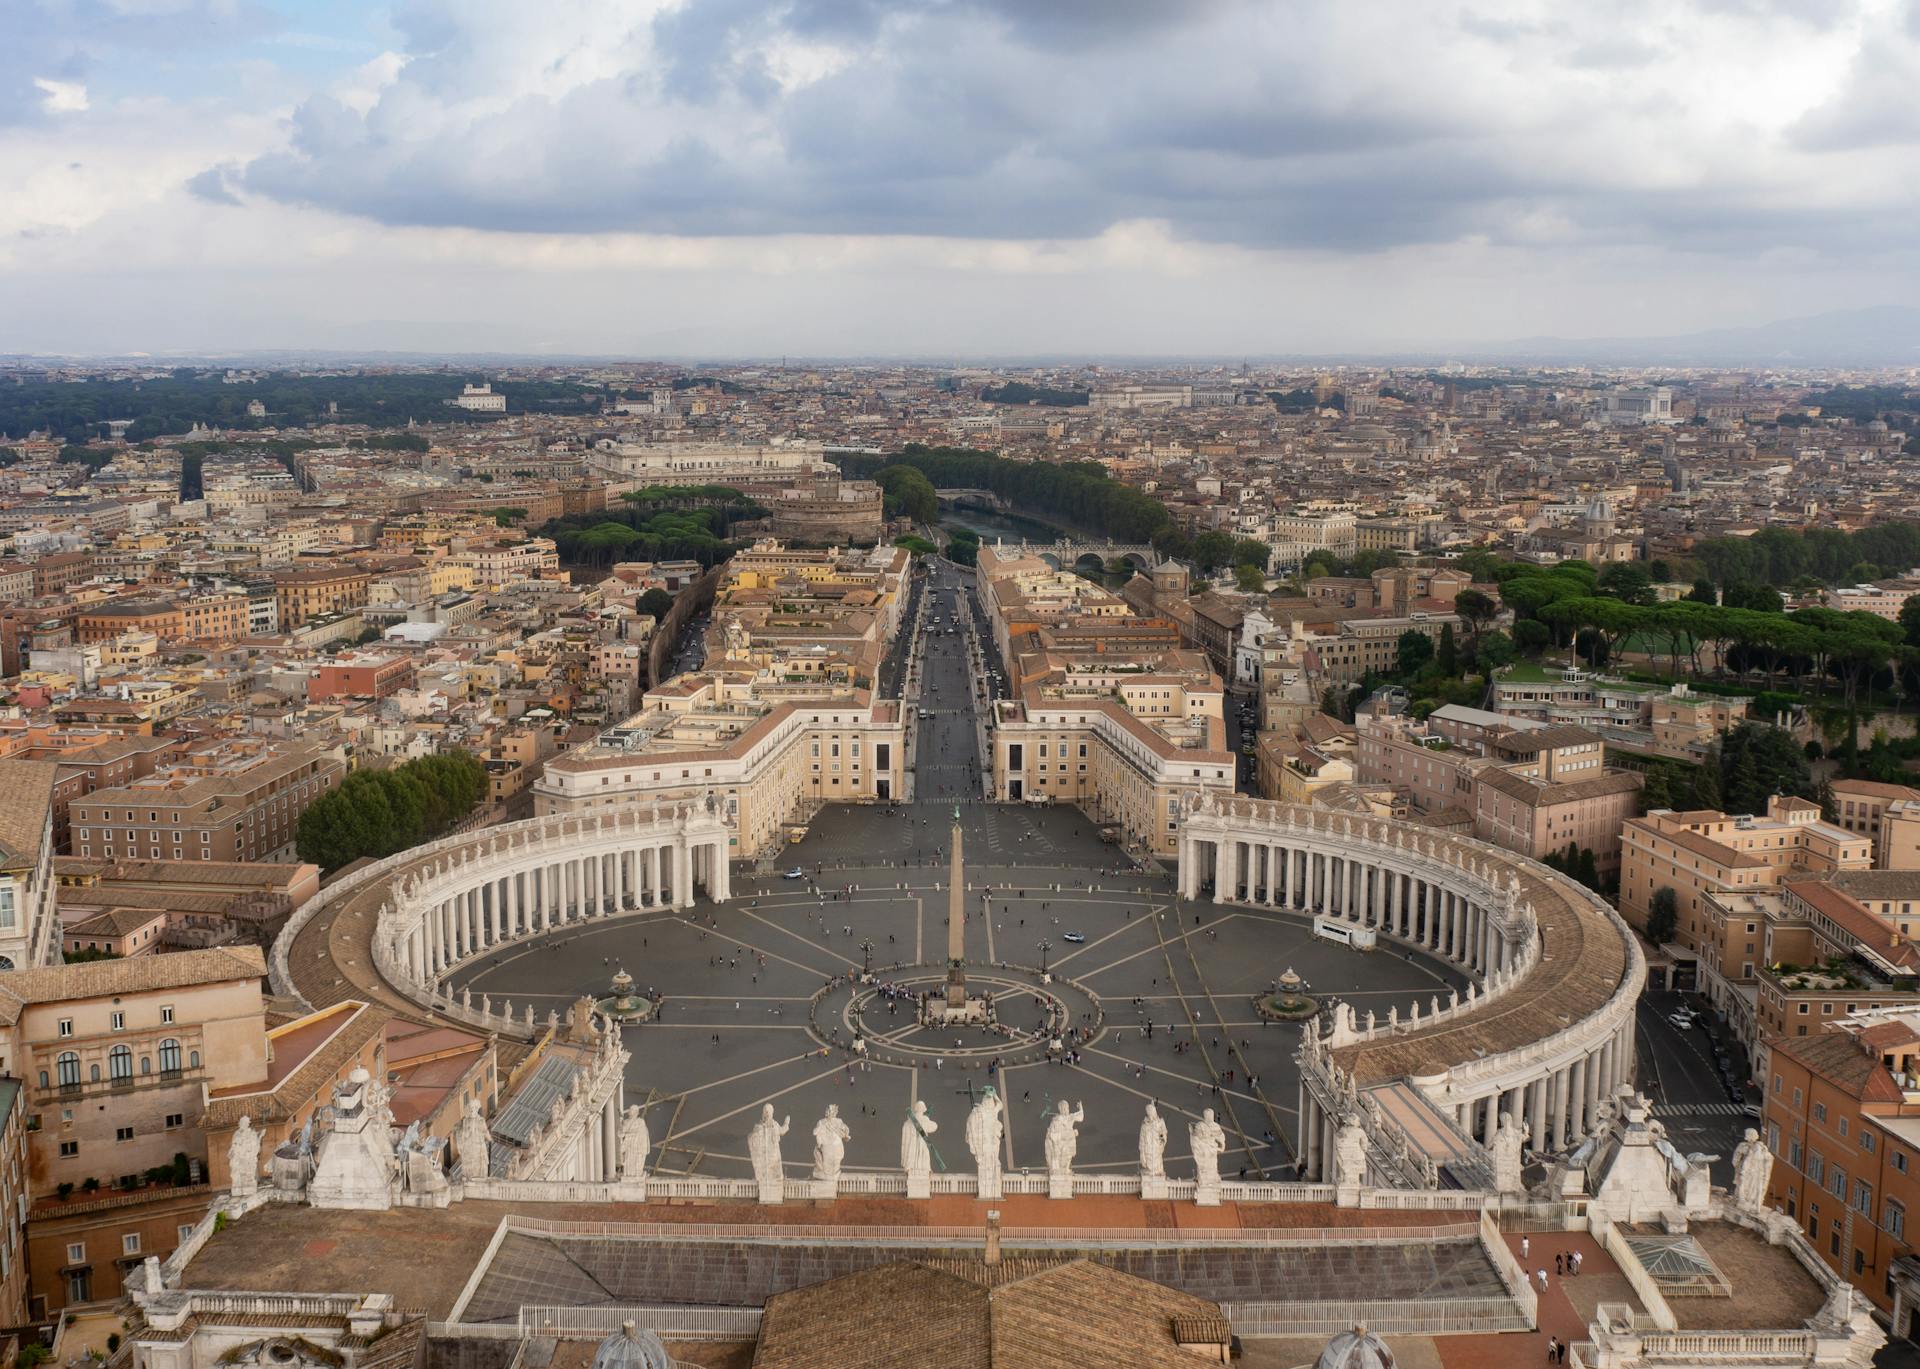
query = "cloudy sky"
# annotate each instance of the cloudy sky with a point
(945, 177)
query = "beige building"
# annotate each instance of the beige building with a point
(117, 1058)
(1128, 740)
(1702, 853)
(1686, 724)
(29, 928)
(241, 802)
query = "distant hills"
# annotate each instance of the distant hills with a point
(1884, 335)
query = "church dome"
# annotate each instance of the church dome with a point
(629, 1348)
(1355, 1349)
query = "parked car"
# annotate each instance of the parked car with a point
(795, 873)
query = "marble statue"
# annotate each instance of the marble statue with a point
(1153, 1144)
(1509, 1147)
(916, 1155)
(1752, 1168)
(472, 1142)
(983, 1139)
(1062, 1143)
(635, 1142)
(763, 1147)
(243, 1159)
(1207, 1139)
(830, 1137)
(1350, 1153)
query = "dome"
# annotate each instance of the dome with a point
(1355, 1349)
(628, 1348)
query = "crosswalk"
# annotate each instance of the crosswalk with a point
(1697, 1109)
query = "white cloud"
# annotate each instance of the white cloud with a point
(62, 97)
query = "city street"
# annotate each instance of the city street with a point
(1677, 1071)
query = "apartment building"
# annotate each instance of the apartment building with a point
(14, 1198)
(1577, 697)
(368, 675)
(29, 925)
(239, 801)
(769, 764)
(1128, 741)
(1700, 853)
(316, 592)
(116, 1058)
(1685, 724)
(1843, 1121)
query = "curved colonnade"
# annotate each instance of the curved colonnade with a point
(425, 912)
(1545, 1032)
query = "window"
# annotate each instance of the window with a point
(66, 1026)
(130, 1243)
(69, 1067)
(117, 1021)
(77, 1252)
(169, 1056)
(69, 1149)
(123, 1133)
(120, 1063)
(1894, 1217)
(1863, 1197)
(174, 1119)
(1819, 1112)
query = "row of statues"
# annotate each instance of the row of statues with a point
(984, 1129)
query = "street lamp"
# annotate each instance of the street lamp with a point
(1045, 946)
(866, 954)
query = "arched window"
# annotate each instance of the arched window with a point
(120, 1063)
(69, 1066)
(169, 1056)
(43, 1078)
(193, 1059)
(146, 1064)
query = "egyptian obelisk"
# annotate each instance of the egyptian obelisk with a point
(956, 925)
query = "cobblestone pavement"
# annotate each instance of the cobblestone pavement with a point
(1173, 982)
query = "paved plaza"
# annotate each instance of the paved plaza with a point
(758, 1004)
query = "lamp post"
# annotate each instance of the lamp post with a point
(866, 955)
(1045, 946)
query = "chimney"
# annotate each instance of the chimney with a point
(993, 1236)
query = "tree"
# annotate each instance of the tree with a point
(1494, 651)
(1412, 653)
(908, 494)
(1910, 619)
(1476, 610)
(1627, 581)
(1212, 550)
(656, 602)
(1531, 635)
(1663, 917)
(1251, 551)
(1250, 577)
(379, 812)
(1756, 762)
(1448, 655)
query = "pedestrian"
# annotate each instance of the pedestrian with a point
(1558, 1261)
(1526, 1243)
(1553, 1350)
(1540, 1275)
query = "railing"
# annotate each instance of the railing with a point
(1264, 1238)
(718, 1323)
(1404, 1317)
(1638, 1279)
(1518, 1286)
(1736, 1346)
(209, 1302)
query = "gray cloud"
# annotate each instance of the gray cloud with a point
(1323, 125)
